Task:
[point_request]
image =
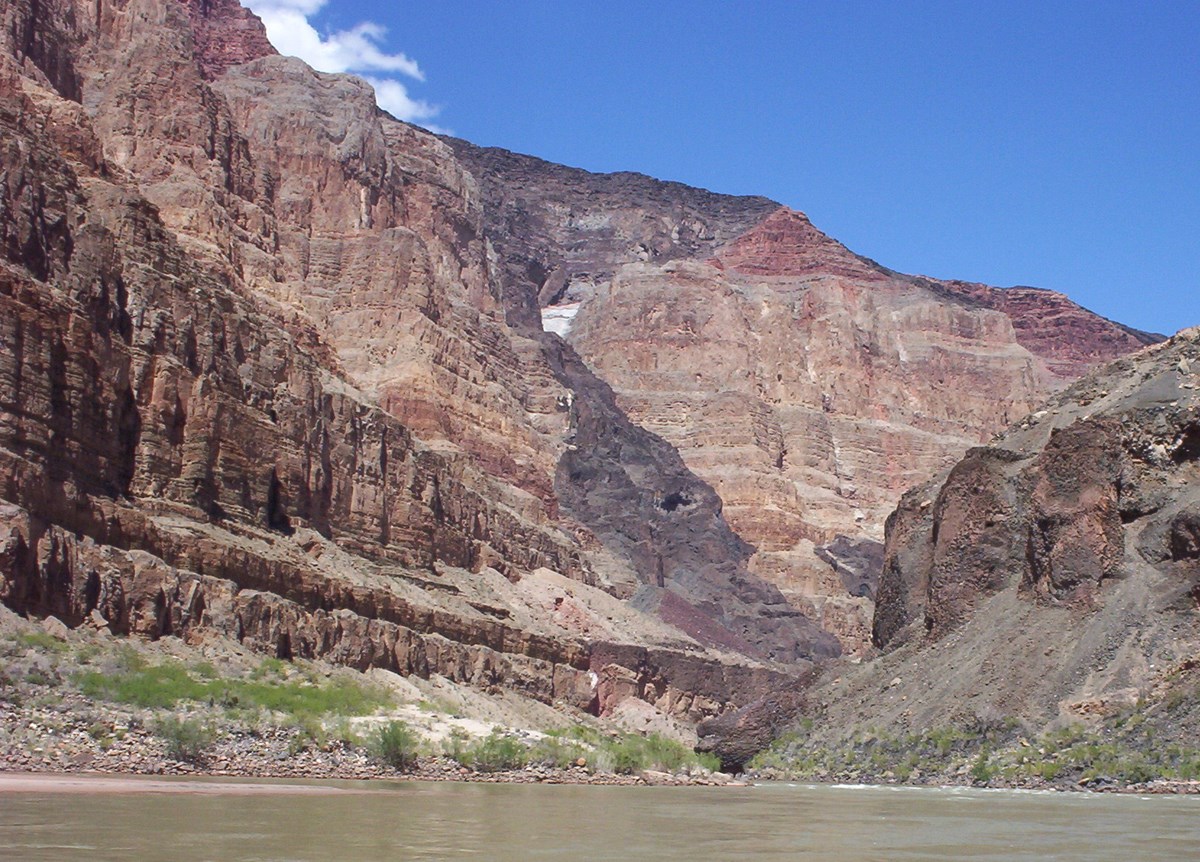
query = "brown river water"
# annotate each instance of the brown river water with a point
(524, 823)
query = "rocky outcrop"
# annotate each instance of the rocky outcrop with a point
(1054, 507)
(737, 736)
(1052, 575)
(857, 561)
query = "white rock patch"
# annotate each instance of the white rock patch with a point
(558, 318)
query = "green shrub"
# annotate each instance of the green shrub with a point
(396, 745)
(944, 740)
(983, 770)
(38, 676)
(310, 733)
(1188, 766)
(497, 752)
(270, 667)
(98, 730)
(625, 755)
(632, 753)
(341, 732)
(42, 641)
(129, 659)
(86, 653)
(187, 738)
(557, 752)
(206, 670)
(1047, 769)
(581, 733)
(456, 745)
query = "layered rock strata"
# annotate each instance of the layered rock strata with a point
(258, 378)
(811, 388)
(808, 385)
(274, 365)
(561, 232)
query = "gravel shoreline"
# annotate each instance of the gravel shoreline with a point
(76, 737)
(49, 727)
(1157, 787)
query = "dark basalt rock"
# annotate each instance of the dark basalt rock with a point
(857, 561)
(1049, 509)
(737, 736)
(1185, 535)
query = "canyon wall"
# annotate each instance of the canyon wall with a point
(809, 386)
(257, 380)
(279, 367)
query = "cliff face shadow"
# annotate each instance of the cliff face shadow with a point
(632, 490)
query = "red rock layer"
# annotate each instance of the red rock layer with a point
(811, 387)
(226, 34)
(1070, 340)
(785, 243)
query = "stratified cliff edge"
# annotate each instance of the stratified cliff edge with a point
(277, 366)
(809, 386)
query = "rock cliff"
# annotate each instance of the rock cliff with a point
(275, 366)
(257, 379)
(1054, 574)
(809, 386)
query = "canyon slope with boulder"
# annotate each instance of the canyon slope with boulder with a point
(280, 368)
(1051, 577)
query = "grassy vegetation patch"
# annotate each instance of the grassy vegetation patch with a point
(165, 685)
(396, 745)
(559, 752)
(579, 745)
(42, 641)
(632, 753)
(496, 752)
(186, 738)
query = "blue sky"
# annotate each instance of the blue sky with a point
(1050, 144)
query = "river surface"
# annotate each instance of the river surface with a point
(524, 823)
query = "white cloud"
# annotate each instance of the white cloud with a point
(393, 97)
(355, 50)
